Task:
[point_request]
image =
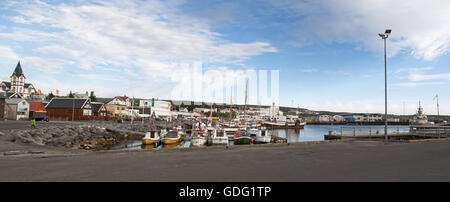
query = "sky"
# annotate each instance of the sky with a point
(318, 54)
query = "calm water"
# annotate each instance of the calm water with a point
(309, 133)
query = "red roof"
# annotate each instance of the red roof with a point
(36, 106)
(122, 98)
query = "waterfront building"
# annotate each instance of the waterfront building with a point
(322, 118)
(17, 87)
(360, 117)
(16, 109)
(66, 108)
(338, 118)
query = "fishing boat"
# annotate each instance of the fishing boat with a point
(253, 130)
(151, 137)
(172, 137)
(242, 138)
(219, 137)
(198, 138)
(263, 136)
(419, 118)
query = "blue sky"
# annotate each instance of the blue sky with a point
(328, 53)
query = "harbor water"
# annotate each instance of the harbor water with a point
(309, 133)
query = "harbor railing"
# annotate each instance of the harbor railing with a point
(430, 131)
(372, 130)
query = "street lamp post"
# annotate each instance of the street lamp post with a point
(384, 37)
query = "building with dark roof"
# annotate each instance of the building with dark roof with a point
(69, 108)
(17, 84)
(98, 109)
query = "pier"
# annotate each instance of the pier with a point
(396, 132)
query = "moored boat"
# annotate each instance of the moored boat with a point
(263, 136)
(172, 137)
(419, 118)
(198, 139)
(219, 137)
(151, 137)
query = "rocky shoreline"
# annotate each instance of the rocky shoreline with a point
(87, 136)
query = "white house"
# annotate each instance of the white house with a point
(338, 118)
(17, 109)
(121, 100)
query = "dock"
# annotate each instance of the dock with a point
(394, 132)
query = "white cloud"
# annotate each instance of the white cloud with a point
(150, 37)
(414, 84)
(8, 54)
(418, 27)
(420, 77)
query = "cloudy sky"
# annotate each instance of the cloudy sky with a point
(327, 52)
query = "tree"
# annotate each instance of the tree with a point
(71, 95)
(93, 97)
(49, 96)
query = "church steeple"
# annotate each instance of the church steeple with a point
(18, 71)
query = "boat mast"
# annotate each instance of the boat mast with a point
(437, 105)
(245, 102)
(231, 104)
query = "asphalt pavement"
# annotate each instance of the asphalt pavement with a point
(341, 161)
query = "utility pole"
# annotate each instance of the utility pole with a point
(384, 37)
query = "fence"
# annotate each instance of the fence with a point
(430, 131)
(375, 130)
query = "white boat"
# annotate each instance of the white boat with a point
(219, 137)
(198, 139)
(419, 118)
(263, 136)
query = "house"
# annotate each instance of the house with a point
(16, 109)
(2, 104)
(69, 108)
(115, 110)
(98, 109)
(121, 100)
(119, 107)
(17, 84)
(37, 110)
(338, 118)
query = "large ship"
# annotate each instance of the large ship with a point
(419, 118)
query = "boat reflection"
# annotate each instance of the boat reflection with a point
(149, 146)
(167, 146)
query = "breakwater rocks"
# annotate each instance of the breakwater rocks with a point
(73, 136)
(88, 136)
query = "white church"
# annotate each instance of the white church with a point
(17, 88)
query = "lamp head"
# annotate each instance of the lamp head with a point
(388, 31)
